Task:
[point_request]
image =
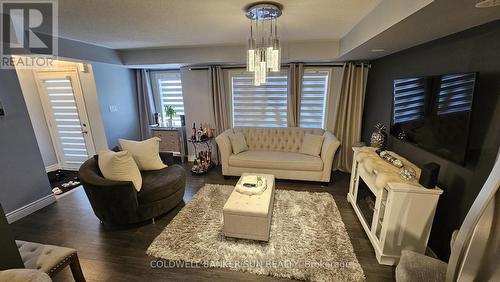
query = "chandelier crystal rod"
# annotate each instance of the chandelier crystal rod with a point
(264, 51)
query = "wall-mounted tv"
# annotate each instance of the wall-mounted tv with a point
(434, 113)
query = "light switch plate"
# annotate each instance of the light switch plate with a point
(113, 108)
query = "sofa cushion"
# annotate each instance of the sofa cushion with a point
(283, 139)
(276, 160)
(119, 166)
(160, 184)
(146, 153)
(24, 275)
(238, 142)
(311, 145)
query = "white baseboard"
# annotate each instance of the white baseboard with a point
(52, 167)
(30, 208)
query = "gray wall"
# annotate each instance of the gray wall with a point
(38, 122)
(116, 86)
(22, 173)
(196, 95)
(304, 51)
(83, 51)
(472, 50)
(87, 52)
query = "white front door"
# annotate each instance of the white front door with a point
(64, 108)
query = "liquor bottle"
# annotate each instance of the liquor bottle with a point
(195, 164)
(199, 132)
(157, 119)
(193, 132)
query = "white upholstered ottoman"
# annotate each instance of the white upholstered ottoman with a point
(249, 217)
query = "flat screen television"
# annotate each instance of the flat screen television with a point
(434, 112)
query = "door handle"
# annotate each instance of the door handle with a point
(85, 132)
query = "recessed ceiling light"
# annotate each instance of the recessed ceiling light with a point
(487, 3)
(378, 50)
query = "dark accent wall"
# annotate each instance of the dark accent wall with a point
(22, 173)
(116, 86)
(473, 50)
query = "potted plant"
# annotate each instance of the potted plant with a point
(170, 113)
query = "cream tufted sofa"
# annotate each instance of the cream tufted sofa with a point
(276, 151)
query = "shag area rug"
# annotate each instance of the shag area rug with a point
(308, 239)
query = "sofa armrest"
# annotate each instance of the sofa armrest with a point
(113, 202)
(330, 146)
(413, 266)
(110, 199)
(225, 148)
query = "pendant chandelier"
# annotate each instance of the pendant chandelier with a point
(264, 52)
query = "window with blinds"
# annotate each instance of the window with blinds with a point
(167, 89)
(409, 99)
(264, 105)
(313, 99)
(455, 93)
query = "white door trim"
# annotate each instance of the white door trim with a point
(73, 76)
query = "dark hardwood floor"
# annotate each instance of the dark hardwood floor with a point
(118, 254)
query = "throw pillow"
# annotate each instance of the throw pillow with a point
(311, 144)
(146, 153)
(238, 142)
(120, 166)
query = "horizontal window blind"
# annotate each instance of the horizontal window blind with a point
(169, 89)
(313, 98)
(409, 99)
(264, 105)
(66, 120)
(455, 93)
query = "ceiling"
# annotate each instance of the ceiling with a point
(190, 32)
(128, 24)
(436, 20)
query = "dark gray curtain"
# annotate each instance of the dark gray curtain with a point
(295, 74)
(218, 102)
(145, 102)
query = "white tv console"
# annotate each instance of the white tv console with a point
(396, 217)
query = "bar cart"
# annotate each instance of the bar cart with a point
(203, 158)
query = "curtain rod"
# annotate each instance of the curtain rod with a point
(223, 67)
(285, 65)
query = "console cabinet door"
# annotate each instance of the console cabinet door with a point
(169, 140)
(353, 187)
